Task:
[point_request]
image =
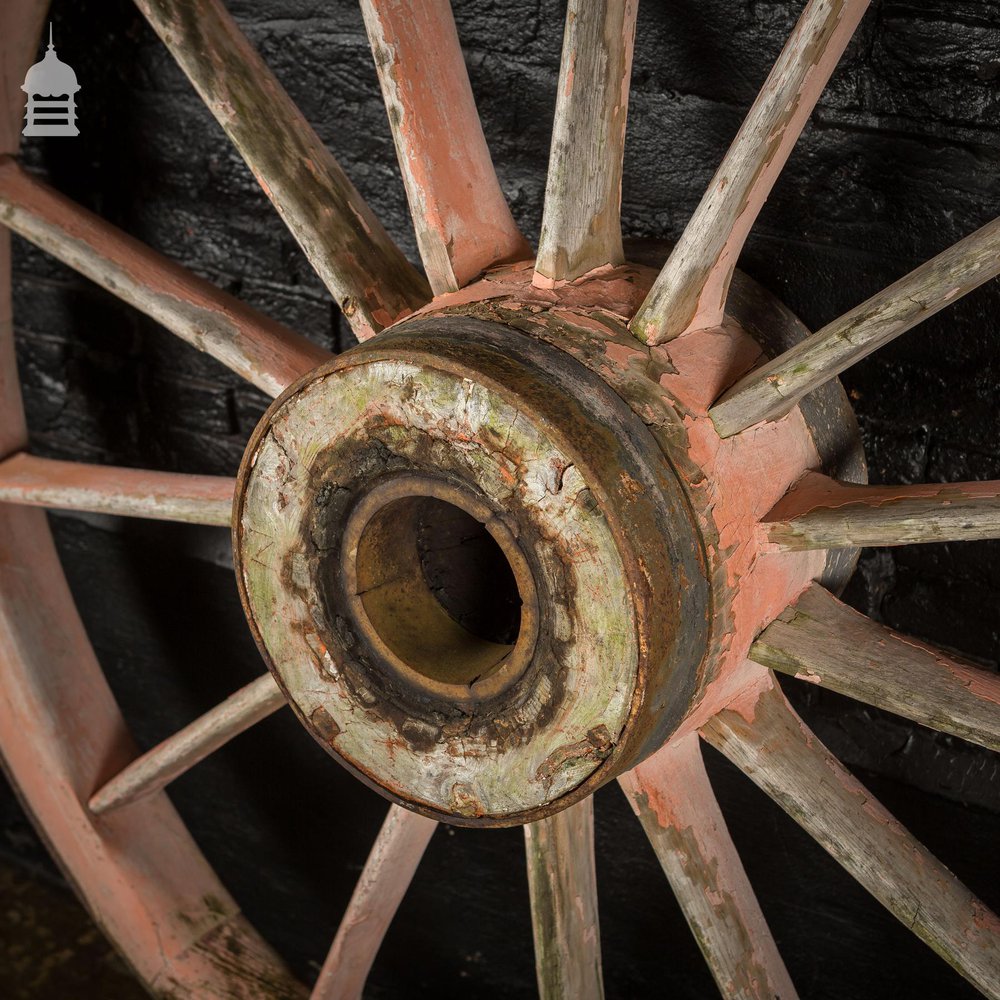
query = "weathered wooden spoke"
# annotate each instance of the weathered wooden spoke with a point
(581, 224)
(772, 390)
(367, 274)
(821, 513)
(264, 352)
(691, 290)
(823, 641)
(103, 489)
(176, 755)
(563, 884)
(387, 875)
(766, 739)
(671, 794)
(461, 217)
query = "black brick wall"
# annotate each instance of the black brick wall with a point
(900, 159)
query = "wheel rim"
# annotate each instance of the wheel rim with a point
(724, 690)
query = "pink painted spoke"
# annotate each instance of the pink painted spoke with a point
(821, 513)
(766, 740)
(822, 641)
(175, 756)
(264, 352)
(772, 390)
(366, 273)
(691, 290)
(20, 26)
(562, 882)
(671, 794)
(386, 877)
(461, 217)
(105, 489)
(581, 225)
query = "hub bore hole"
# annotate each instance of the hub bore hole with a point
(438, 590)
(467, 572)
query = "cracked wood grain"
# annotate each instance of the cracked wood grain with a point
(562, 882)
(772, 390)
(581, 223)
(690, 291)
(366, 273)
(821, 640)
(671, 794)
(176, 755)
(766, 740)
(461, 217)
(821, 513)
(386, 876)
(105, 489)
(259, 349)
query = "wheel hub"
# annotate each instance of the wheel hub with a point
(480, 567)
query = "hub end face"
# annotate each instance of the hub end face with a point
(464, 578)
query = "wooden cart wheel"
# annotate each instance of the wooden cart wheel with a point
(651, 462)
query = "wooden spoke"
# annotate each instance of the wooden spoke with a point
(461, 217)
(562, 882)
(821, 513)
(671, 794)
(386, 877)
(105, 489)
(767, 741)
(372, 281)
(175, 756)
(825, 642)
(264, 352)
(691, 290)
(581, 224)
(772, 390)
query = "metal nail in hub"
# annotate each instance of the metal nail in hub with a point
(553, 648)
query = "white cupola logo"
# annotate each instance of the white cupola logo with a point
(51, 88)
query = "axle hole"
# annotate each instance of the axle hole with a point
(438, 590)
